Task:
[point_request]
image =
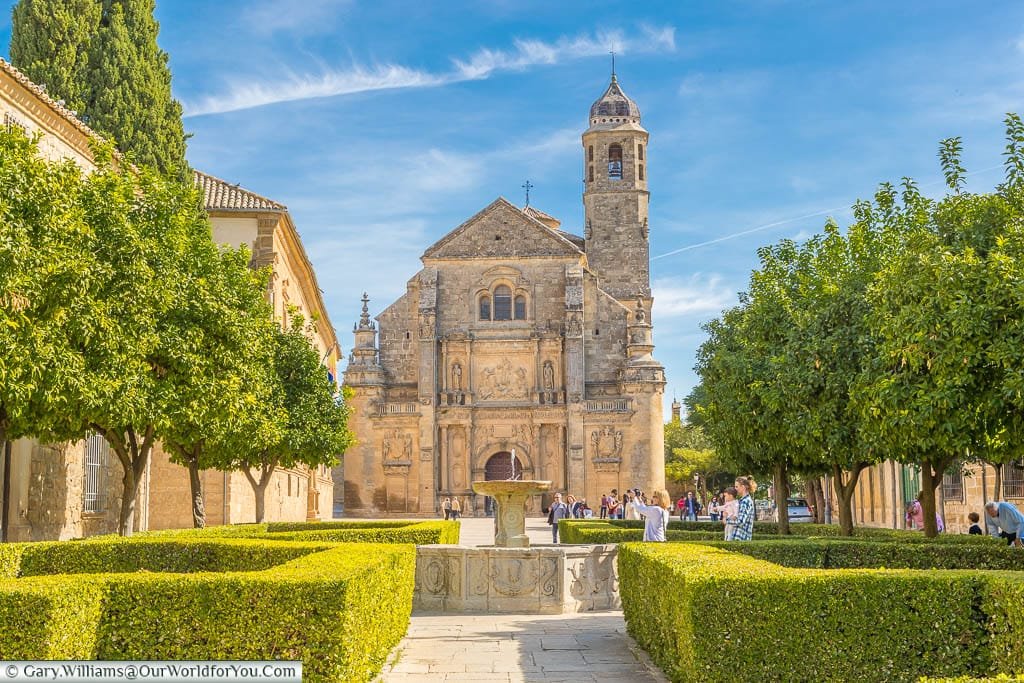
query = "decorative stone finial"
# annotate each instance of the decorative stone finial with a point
(364, 319)
(641, 315)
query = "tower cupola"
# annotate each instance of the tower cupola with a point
(614, 107)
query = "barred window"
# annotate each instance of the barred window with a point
(485, 307)
(1013, 479)
(520, 308)
(502, 303)
(97, 455)
(953, 485)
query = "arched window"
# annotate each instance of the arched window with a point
(591, 174)
(485, 307)
(640, 152)
(641, 169)
(590, 153)
(520, 308)
(615, 162)
(502, 303)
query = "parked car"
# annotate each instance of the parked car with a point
(799, 510)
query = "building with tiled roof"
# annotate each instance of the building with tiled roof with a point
(74, 489)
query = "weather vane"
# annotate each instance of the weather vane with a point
(527, 186)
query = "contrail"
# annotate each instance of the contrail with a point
(823, 212)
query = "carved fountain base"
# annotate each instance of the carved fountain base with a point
(538, 580)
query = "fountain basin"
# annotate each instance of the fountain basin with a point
(510, 516)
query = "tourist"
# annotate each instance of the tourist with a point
(576, 509)
(975, 529)
(604, 506)
(713, 509)
(447, 507)
(744, 520)
(559, 510)
(729, 508)
(681, 507)
(630, 510)
(613, 507)
(655, 515)
(1004, 520)
(456, 508)
(915, 515)
(691, 507)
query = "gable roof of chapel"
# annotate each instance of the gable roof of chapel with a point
(520, 234)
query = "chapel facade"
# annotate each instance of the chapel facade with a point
(518, 350)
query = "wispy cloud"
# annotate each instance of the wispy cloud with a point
(267, 17)
(481, 65)
(697, 294)
(527, 53)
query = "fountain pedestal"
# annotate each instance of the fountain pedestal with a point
(511, 495)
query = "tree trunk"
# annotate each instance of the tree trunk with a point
(782, 496)
(134, 456)
(998, 493)
(195, 484)
(819, 500)
(845, 488)
(259, 487)
(5, 499)
(930, 479)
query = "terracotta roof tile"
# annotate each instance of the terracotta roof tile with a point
(40, 92)
(222, 195)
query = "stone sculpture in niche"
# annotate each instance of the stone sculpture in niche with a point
(456, 377)
(575, 328)
(607, 442)
(503, 381)
(549, 375)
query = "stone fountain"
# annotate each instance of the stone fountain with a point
(511, 495)
(510, 576)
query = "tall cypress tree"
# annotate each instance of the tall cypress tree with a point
(50, 44)
(119, 78)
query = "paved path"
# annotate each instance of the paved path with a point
(517, 648)
(480, 531)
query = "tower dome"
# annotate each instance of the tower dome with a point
(614, 106)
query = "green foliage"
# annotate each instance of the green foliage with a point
(1003, 602)
(102, 58)
(45, 274)
(811, 624)
(314, 417)
(116, 555)
(424, 533)
(356, 531)
(337, 608)
(49, 618)
(48, 43)
(899, 339)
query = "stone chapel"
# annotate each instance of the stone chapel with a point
(518, 350)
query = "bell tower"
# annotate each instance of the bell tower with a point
(616, 198)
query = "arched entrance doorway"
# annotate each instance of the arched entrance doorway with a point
(499, 467)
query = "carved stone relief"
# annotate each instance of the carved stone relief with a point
(503, 381)
(606, 442)
(457, 460)
(396, 448)
(549, 375)
(574, 328)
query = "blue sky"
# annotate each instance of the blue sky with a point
(383, 125)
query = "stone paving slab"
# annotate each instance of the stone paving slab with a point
(519, 648)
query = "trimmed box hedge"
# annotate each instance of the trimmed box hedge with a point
(340, 608)
(704, 613)
(337, 531)
(586, 531)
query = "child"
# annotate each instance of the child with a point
(728, 510)
(975, 529)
